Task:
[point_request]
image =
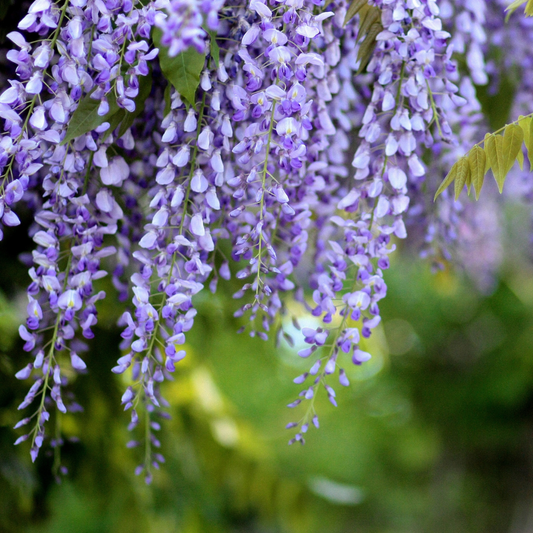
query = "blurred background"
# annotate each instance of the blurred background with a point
(435, 433)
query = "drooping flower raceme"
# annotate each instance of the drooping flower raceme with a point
(237, 166)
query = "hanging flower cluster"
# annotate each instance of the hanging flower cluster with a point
(176, 143)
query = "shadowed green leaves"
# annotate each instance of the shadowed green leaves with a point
(145, 86)
(354, 8)
(214, 49)
(369, 28)
(499, 153)
(182, 71)
(86, 117)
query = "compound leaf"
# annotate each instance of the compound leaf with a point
(447, 180)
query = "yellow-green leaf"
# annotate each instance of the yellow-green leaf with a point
(513, 136)
(468, 182)
(526, 123)
(447, 180)
(487, 164)
(520, 159)
(529, 8)
(494, 151)
(462, 177)
(477, 161)
(513, 7)
(354, 8)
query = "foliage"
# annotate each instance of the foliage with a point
(499, 154)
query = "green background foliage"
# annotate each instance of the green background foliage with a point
(434, 433)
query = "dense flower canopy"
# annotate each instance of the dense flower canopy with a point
(291, 144)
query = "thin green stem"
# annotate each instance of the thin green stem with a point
(50, 359)
(503, 128)
(434, 108)
(262, 202)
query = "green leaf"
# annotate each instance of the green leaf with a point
(477, 161)
(367, 46)
(354, 8)
(115, 120)
(529, 8)
(494, 151)
(214, 49)
(513, 136)
(487, 165)
(526, 123)
(447, 180)
(86, 117)
(183, 71)
(520, 159)
(530, 144)
(463, 174)
(168, 101)
(145, 87)
(371, 17)
(511, 8)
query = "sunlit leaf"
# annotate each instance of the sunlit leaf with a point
(511, 8)
(513, 136)
(463, 172)
(477, 161)
(520, 159)
(494, 151)
(447, 180)
(526, 123)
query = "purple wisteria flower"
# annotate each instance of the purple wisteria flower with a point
(239, 167)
